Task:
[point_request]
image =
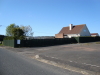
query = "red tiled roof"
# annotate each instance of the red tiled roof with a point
(75, 30)
(94, 33)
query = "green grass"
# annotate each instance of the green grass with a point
(1, 44)
(97, 42)
(87, 44)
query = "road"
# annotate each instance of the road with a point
(12, 63)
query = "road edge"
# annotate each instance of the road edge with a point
(65, 66)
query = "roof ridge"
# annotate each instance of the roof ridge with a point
(77, 25)
(80, 24)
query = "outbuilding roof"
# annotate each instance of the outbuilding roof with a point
(94, 33)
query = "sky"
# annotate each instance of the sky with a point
(47, 17)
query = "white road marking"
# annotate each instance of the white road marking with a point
(91, 65)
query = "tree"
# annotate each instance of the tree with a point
(18, 33)
(9, 29)
(27, 30)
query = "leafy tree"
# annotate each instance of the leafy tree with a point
(27, 30)
(18, 33)
(9, 29)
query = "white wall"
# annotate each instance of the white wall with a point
(73, 35)
(95, 35)
(85, 31)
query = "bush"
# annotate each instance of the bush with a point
(8, 38)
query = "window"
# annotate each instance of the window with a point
(84, 30)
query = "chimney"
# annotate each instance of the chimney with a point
(70, 26)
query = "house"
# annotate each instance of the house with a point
(73, 31)
(94, 34)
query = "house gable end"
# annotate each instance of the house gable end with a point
(85, 31)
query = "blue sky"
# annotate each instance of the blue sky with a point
(47, 17)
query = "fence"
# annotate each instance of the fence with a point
(9, 43)
(39, 42)
(49, 42)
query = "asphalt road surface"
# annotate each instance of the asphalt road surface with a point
(15, 64)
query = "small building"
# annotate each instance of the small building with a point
(1, 38)
(73, 31)
(94, 34)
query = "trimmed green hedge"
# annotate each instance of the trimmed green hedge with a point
(87, 39)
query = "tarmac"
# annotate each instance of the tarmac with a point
(83, 58)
